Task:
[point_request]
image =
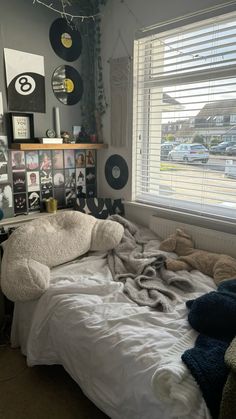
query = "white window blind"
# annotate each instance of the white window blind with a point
(185, 94)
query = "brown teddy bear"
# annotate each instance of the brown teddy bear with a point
(218, 266)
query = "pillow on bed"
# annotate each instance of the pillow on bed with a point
(41, 244)
(100, 207)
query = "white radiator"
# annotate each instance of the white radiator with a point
(206, 239)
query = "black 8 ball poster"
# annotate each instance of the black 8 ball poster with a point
(25, 76)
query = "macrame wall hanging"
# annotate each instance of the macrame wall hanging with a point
(120, 79)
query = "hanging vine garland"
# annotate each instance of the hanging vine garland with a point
(94, 102)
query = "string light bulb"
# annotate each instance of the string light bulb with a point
(63, 12)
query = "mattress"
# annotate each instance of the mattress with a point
(108, 344)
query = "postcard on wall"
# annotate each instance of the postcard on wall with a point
(6, 199)
(33, 181)
(19, 181)
(1, 114)
(90, 158)
(20, 206)
(17, 160)
(46, 179)
(69, 158)
(3, 172)
(80, 176)
(57, 158)
(25, 77)
(32, 160)
(3, 159)
(58, 179)
(3, 142)
(34, 201)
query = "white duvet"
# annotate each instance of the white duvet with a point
(126, 358)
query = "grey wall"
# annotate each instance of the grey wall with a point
(25, 27)
(117, 17)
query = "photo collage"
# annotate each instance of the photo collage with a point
(61, 174)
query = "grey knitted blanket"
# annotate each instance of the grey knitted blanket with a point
(139, 264)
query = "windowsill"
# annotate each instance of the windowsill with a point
(184, 217)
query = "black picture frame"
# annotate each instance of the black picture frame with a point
(20, 127)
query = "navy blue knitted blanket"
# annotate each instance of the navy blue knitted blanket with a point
(213, 315)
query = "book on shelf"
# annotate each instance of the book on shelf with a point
(48, 140)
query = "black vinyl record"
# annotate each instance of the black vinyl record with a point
(116, 171)
(67, 85)
(65, 41)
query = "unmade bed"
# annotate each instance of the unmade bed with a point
(125, 357)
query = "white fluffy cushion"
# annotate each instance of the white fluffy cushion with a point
(37, 246)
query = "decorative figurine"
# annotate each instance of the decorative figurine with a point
(66, 137)
(83, 136)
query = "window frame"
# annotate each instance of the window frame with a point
(224, 72)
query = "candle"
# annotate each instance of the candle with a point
(57, 123)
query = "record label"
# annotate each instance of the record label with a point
(66, 41)
(116, 171)
(67, 85)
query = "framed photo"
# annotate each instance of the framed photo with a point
(20, 127)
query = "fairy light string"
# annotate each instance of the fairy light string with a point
(69, 16)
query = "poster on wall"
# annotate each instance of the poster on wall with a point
(6, 199)
(3, 158)
(25, 77)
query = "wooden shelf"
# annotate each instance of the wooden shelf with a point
(20, 219)
(72, 146)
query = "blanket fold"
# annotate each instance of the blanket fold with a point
(207, 366)
(228, 403)
(139, 264)
(213, 316)
(174, 386)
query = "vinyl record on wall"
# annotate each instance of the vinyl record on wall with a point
(116, 171)
(66, 41)
(67, 85)
(25, 78)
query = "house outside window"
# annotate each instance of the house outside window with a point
(219, 119)
(233, 119)
(184, 78)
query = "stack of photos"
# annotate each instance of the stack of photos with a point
(39, 175)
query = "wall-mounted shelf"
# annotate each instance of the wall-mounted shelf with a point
(37, 146)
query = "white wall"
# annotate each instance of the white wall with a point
(117, 17)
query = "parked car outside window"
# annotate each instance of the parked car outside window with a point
(231, 150)
(189, 153)
(165, 149)
(221, 148)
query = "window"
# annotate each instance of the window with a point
(219, 119)
(185, 77)
(232, 119)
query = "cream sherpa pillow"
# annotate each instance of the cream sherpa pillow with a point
(34, 248)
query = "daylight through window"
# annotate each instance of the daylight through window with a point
(184, 118)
